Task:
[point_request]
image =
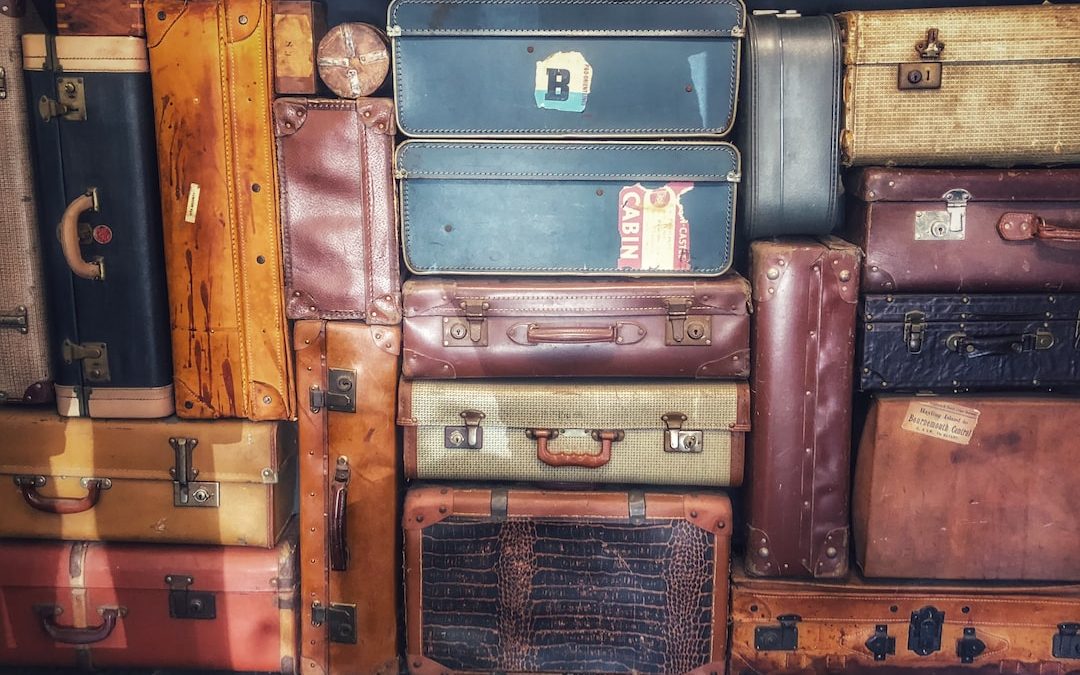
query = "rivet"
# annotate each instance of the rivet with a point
(693, 514)
(689, 88)
(420, 519)
(243, 19)
(442, 509)
(600, 192)
(530, 50)
(161, 16)
(720, 524)
(830, 552)
(772, 273)
(267, 400)
(260, 259)
(845, 275)
(763, 552)
(255, 187)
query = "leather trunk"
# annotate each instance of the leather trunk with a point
(967, 230)
(155, 606)
(230, 482)
(211, 62)
(790, 126)
(350, 479)
(962, 63)
(25, 370)
(338, 216)
(968, 487)
(960, 342)
(567, 208)
(601, 69)
(659, 432)
(298, 27)
(536, 328)
(100, 17)
(789, 627)
(520, 581)
(100, 224)
(805, 295)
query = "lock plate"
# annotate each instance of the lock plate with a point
(70, 101)
(782, 638)
(684, 329)
(471, 328)
(677, 439)
(188, 604)
(186, 490)
(94, 357)
(924, 631)
(968, 647)
(340, 621)
(919, 75)
(880, 644)
(341, 392)
(1066, 642)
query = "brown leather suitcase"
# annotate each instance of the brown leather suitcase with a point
(100, 17)
(520, 581)
(337, 197)
(298, 27)
(487, 327)
(789, 627)
(350, 479)
(805, 295)
(149, 606)
(967, 230)
(969, 487)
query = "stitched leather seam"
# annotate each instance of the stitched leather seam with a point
(368, 189)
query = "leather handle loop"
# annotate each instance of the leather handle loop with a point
(606, 439)
(537, 334)
(61, 505)
(339, 546)
(973, 346)
(1025, 226)
(69, 238)
(71, 635)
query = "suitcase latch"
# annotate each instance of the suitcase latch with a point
(94, 357)
(18, 319)
(947, 225)
(472, 332)
(927, 73)
(880, 644)
(186, 490)
(782, 638)
(678, 439)
(684, 329)
(3, 83)
(70, 101)
(924, 633)
(340, 621)
(969, 646)
(185, 603)
(340, 395)
(1066, 644)
(470, 436)
(914, 330)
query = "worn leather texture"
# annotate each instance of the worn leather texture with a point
(1016, 625)
(652, 70)
(100, 17)
(356, 452)
(890, 204)
(948, 505)
(632, 209)
(979, 114)
(798, 487)
(298, 27)
(980, 341)
(219, 197)
(338, 216)
(569, 582)
(250, 466)
(587, 328)
(789, 127)
(253, 592)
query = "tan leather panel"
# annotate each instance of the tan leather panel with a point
(117, 402)
(100, 17)
(84, 53)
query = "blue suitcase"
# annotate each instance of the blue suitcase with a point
(567, 207)
(565, 68)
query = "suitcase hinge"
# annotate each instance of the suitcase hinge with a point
(472, 332)
(18, 319)
(70, 101)
(94, 357)
(186, 490)
(784, 637)
(880, 644)
(914, 329)
(340, 621)
(341, 394)
(185, 603)
(924, 633)
(684, 329)
(679, 439)
(470, 436)
(969, 646)
(3, 83)
(1066, 643)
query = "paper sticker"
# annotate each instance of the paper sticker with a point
(102, 234)
(192, 203)
(654, 234)
(563, 82)
(953, 423)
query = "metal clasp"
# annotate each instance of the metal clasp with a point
(341, 394)
(185, 603)
(470, 436)
(470, 332)
(684, 329)
(784, 637)
(924, 631)
(679, 439)
(969, 646)
(931, 47)
(1066, 642)
(70, 101)
(340, 620)
(914, 329)
(94, 357)
(186, 490)
(880, 644)
(3, 83)
(18, 319)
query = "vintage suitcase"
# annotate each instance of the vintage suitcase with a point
(519, 581)
(803, 348)
(789, 126)
(337, 207)
(349, 477)
(660, 432)
(963, 64)
(100, 221)
(194, 482)
(967, 230)
(298, 27)
(150, 606)
(981, 341)
(587, 328)
(513, 207)
(25, 371)
(219, 193)
(100, 17)
(788, 627)
(968, 487)
(354, 59)
(602, 69)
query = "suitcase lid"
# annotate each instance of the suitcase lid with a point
(86, 53)
(990, 185)
(973, 308)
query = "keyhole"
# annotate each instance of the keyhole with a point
(458, 331)
(695, 331)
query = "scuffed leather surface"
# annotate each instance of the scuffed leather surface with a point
(100, 17)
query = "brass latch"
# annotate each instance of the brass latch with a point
(186, 490)
(16, 319)
(470, 436)
(472, 332)
(341, 394)
(684, 329)
(678, 439)
(94, 357)
(70, 101)
(914, 328)
(185, 603)
(3, 83)
(931, 47)
(925, 74)
(340, 620)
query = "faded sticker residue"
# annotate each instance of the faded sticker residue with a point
(653, 232)
(563, 82)
(192, 203)
(949, 422)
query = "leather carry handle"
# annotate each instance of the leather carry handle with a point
(1025, 226)
(61, 505)
(69, 237)
(339, 543)
(605, 437)
(537, 334)
(71, 635)
(973, 346)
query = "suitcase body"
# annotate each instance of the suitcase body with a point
(950, 342)
(338, 215)
(659, 432)
(564, 69)
(926, 627)
(967, 230)
(25, 369)
(968, 487)
(791, 154)
(100, 223)
(349, 477)
(298, 27)
(231, 352)
(230, 482)
(632, 209)
(518, 581)
(98, 605)
(534, 328)
(962, 63)
(100, 17)
(800, 452)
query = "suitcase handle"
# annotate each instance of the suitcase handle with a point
(1024, 226)
(974, 346)
(62, 505)
(339, 544)
(71, 635)
(537, 334)
(605, 437)
(69, 237)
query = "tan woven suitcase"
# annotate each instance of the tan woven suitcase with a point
(968, 86)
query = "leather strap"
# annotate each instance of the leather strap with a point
(1025, 226)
